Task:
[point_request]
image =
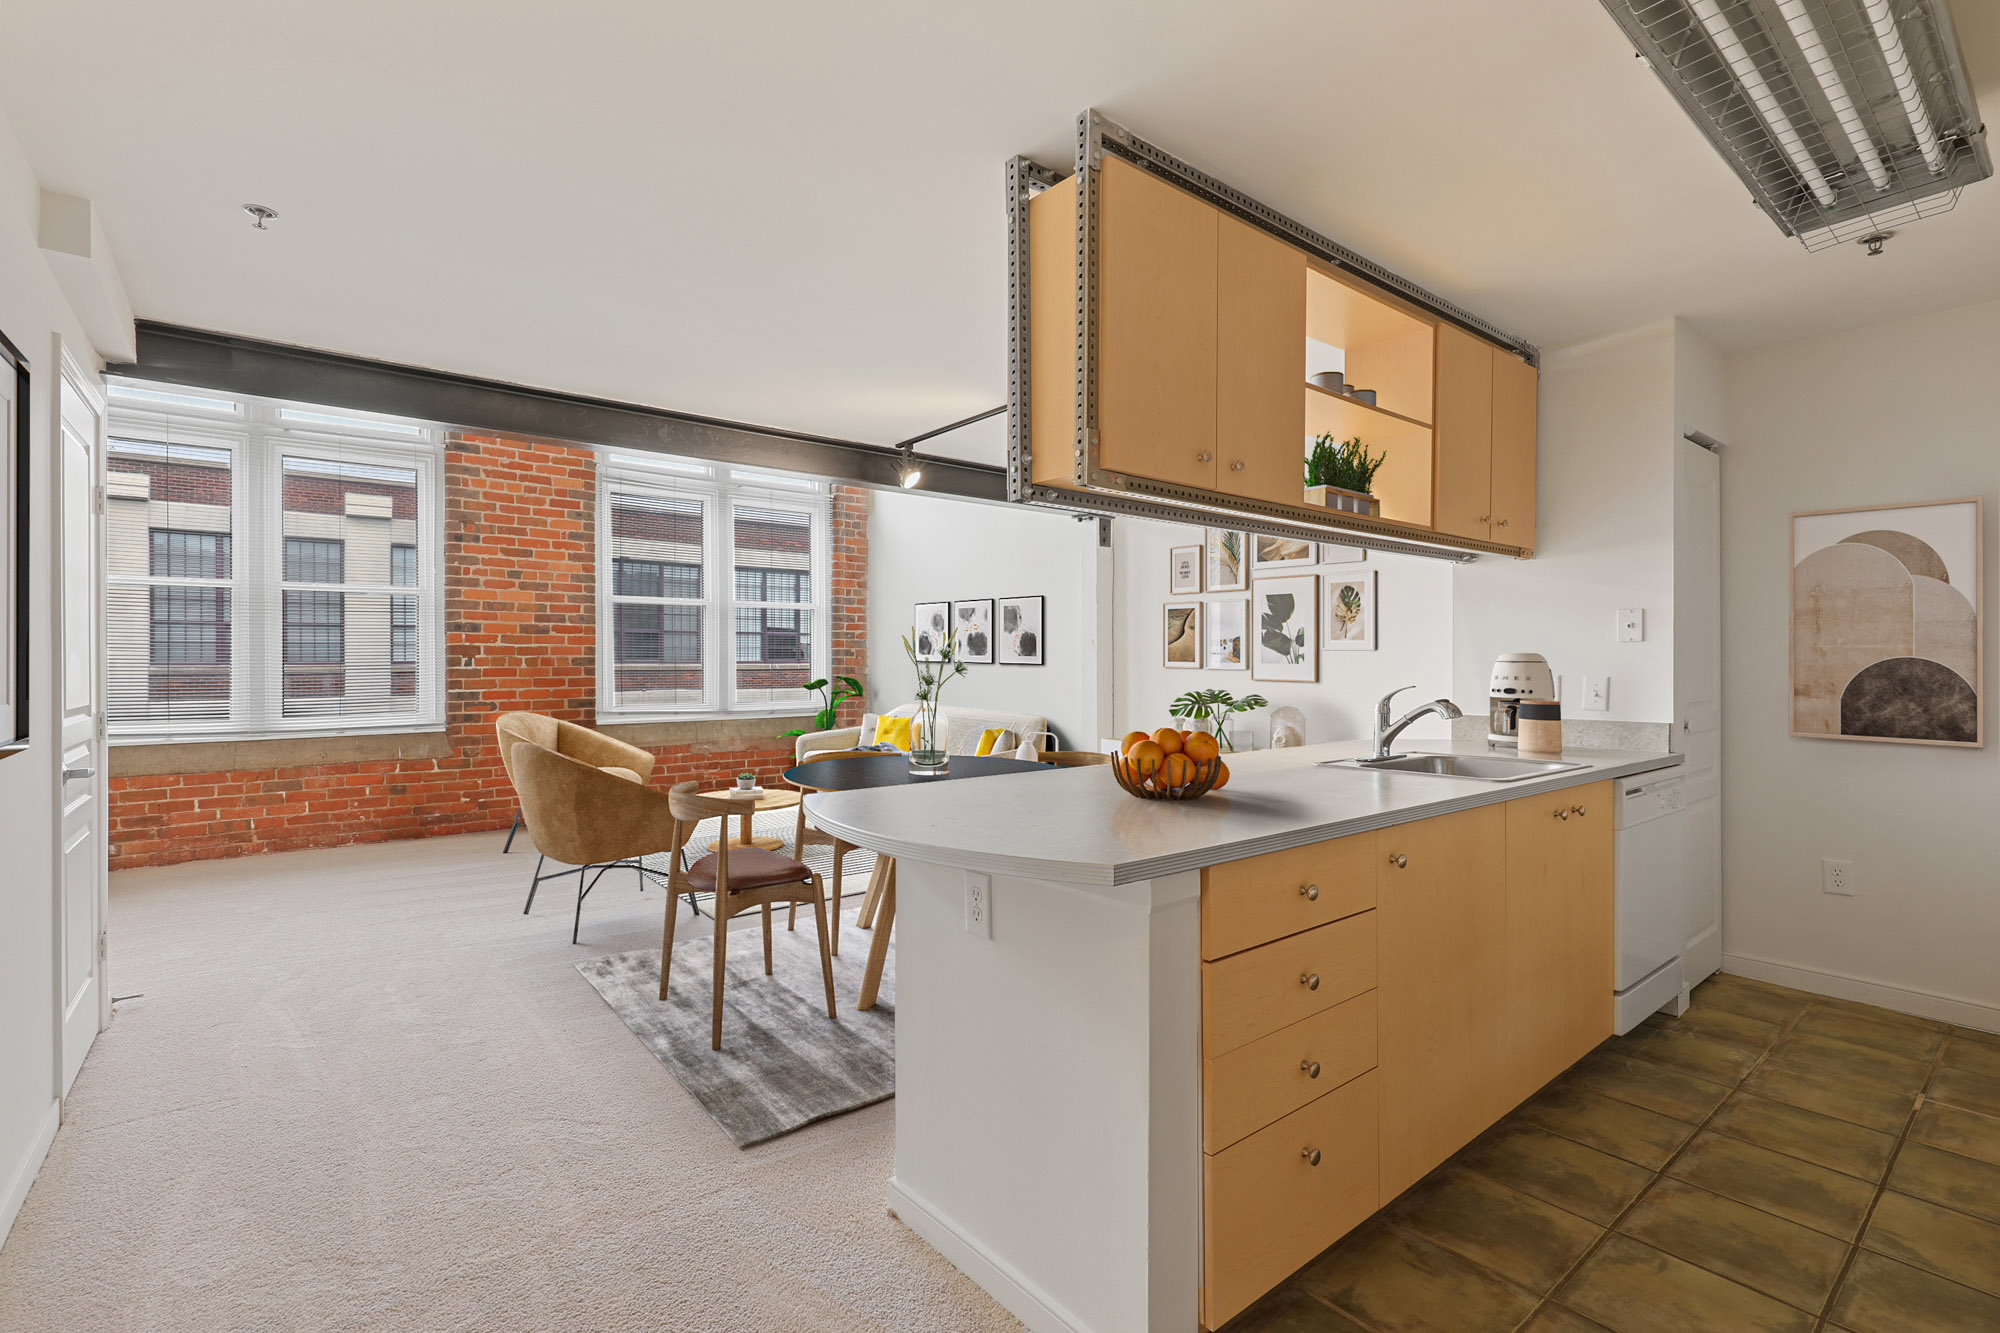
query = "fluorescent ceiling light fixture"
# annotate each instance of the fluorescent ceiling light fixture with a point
(1844, 118)
(373, 425)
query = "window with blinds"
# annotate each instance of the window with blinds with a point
(714, 588)
(271, 569)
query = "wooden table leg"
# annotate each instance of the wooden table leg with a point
(878, 948)
(873, 897)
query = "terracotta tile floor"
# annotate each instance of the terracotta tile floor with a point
(1771, 1161)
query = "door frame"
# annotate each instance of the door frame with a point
(73, 375)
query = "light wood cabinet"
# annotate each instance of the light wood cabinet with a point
(1156, 329)
(1280, 1196)
(1559, 932)
(1257, 991)
(1442, 976)
(1261, 364)
(1246, 1089)
(1464, 426)
(1514, 385)
(1263, 898)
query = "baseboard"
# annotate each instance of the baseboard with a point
(1944, 1008)
(1020, 1297)
(27, 1169)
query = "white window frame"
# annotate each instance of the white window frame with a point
(259, 436)
(721, 490)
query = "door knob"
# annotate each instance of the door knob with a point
(1311, 1068)
(1311, 1155)
(1399, 860)
(1310, 980)
(1204, 457)
(1310, 892)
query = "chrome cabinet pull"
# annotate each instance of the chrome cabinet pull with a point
(1578, 810)
(1310, 980)
(1399, 860)
(1310, 892)
(1311, 1155)
(1311, 1068)
(1562, 814)
(1204, 457)
(1500, 523)
(1237, 466)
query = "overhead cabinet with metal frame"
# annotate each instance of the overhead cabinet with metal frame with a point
(1165, 363)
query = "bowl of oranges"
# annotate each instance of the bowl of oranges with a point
(1169, 765)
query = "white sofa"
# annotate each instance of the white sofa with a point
(962, 729)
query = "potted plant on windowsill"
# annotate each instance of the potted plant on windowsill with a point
(1339, 475)
(831, 695)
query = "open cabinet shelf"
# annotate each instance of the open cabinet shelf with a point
(1404, 483)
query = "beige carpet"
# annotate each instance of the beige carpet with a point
(362, 1091)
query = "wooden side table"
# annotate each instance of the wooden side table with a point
(771, 798)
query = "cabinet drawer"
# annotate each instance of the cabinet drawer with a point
(1247, 1088)
(1266, 1209)
(1260, 990)
(1264, 898)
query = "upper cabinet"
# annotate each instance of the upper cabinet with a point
(1206, 328)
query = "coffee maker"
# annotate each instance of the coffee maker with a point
(1516, 676)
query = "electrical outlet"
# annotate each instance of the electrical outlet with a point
(1597, 694)
(1632, 625)
(1837, 876)
(979, 904)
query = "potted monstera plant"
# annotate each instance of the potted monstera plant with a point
(831, 695)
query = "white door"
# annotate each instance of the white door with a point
(81, 905)
(1698, 696)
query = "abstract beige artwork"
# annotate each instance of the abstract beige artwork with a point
(1885, 623)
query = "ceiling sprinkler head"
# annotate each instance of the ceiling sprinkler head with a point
(260, 215)
(1875, 243)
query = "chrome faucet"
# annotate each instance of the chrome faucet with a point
(1387, 731)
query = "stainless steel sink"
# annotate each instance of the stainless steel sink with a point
(1479, 767)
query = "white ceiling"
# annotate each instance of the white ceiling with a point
(790, 213)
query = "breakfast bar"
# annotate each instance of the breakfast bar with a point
(1187, 1045)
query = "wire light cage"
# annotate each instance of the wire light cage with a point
(1846, 118)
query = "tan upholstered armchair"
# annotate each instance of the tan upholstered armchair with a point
(588, 817)
(578, 742)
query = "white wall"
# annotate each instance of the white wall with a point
(32, 314)
(1413, 638)
(1897, 411)
(1604, 528)
(925, 549)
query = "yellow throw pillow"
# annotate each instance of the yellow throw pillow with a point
(893, 731)
(989, 738)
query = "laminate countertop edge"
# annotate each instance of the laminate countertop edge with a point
(960, 824)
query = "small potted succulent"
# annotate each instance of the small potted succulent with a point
(746, 781)
(1340, 474)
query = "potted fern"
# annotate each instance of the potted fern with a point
(1340, 475)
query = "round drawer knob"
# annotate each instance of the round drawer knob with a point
(1400, 860)
(1562, 814)
(1204, 457)
(1310, 892)
(1237, 466)
(1311, 1068)
(1311, 1155)
(1310, 980)
(1579, 811)
(1501, 523)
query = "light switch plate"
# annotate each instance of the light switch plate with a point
(1632, 625)
(1597, 694)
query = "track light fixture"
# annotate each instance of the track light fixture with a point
(908, 471)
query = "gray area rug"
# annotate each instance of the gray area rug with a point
(783, 1063)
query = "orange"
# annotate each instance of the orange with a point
(1200, 747)
(1168, 740)
(1144, 758)
(1179, 771)
(1221, 778)
(1132, 738)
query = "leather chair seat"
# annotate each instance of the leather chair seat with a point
(749, 868)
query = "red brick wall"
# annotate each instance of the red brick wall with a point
(520, 633)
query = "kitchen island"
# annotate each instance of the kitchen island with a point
(1189, 1045)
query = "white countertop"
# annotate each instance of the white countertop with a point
(1077, 826)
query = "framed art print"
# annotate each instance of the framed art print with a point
(1224, 622)
(974, 623)
(929, 625)
(1284, 634)
(1349, 615)
(1228, 561)
(1018, 641)
(1184, 572)
(1180, 641)
(1886, 627)
(1278, 552)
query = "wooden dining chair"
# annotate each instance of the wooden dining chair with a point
(808, 836)
(1074, 758)
(740, 878)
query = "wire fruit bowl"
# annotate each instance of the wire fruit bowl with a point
(1143, 781)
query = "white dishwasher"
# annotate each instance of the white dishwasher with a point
(1648, 818)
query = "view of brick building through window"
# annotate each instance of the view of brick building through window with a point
(520, 631)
